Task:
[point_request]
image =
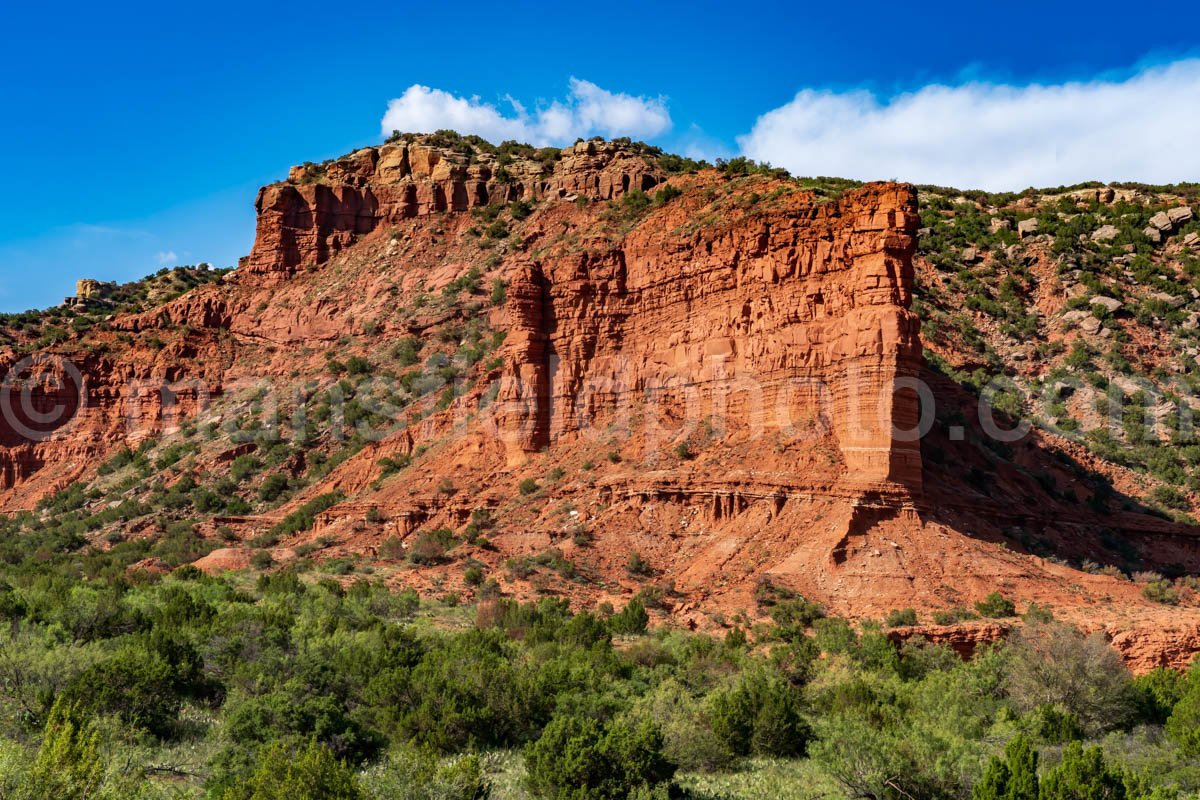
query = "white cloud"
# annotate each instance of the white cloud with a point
(166, 258)
(587, 111)
(993, 136)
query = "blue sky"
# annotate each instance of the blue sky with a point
(136, 135)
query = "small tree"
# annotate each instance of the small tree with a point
(1158, 692)
(1183, 726)
(1083, 775)
(1056, 665)
(68, 765)
(1013, 777)
(760, 715)
(578, 758)
(631, 619)
(311, 774)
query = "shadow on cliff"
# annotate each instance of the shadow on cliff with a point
(1035, 496)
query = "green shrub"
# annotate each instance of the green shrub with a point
(390, 466)
(414, 774)
(356, 365)
(1183, 725)
(901, 617)
(499, 292)
(244, 467)
(632, 619)
(407, 351)
(68, 765)
(1013, 777)
(1158, 692)
(666, 195)
(996, 605)
(313, 773)
(303, 518)
(1083, 775)
(1160, 591)
(952, 616)
(760, 715)
(795, 615)
(579, 758)
(137, 684)
(273, 487)
(637, 565)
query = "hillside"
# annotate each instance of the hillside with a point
(608, 372)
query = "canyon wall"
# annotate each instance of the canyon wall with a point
(774, 321)
(62, 413)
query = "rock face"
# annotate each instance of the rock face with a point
(60, 415)
(965, 639)
(816, 302)
(86, 288)
(1145, 649)
(321, 209)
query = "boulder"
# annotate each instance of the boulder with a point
(1153, 234)
(87, 289)
(1000, 224)
(1179, 216)
(970, 255)
(1172, 300)
(1027, 227)
(1162, 221)
(1089, 324)
(1110, 303)
(1105, 233)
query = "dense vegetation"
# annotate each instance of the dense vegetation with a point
(1088, 326)
(121, 681)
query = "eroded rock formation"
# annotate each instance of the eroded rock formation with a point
(323, 208)
(774, 321)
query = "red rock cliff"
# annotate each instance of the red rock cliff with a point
(323, 208)
(778, 319)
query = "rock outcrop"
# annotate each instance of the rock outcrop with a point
(801, 316)
(61, 414)
(323, 208)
